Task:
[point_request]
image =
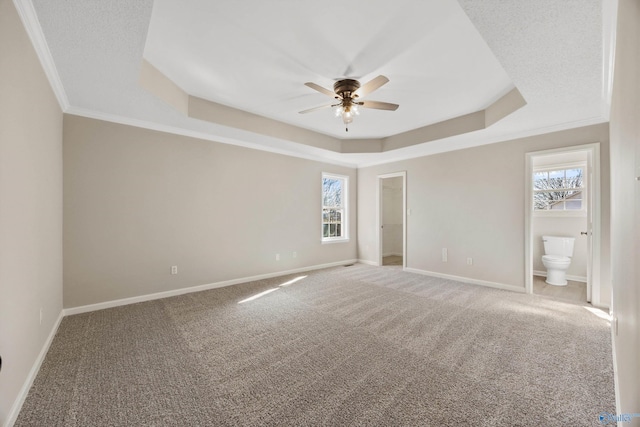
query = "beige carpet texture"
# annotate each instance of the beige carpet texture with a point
(345, 346)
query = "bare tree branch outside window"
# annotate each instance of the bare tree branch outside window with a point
(558, 189)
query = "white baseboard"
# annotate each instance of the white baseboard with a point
(198, 288)
(366, 261)
(24, 391)
(569, 277)
(392, 254)
(467, 280)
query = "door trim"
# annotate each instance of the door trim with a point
(379, 198)
(593, 270)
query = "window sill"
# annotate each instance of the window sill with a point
(339, 240)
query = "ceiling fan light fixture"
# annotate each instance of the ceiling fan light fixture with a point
(347, 117)
(347, 91)
(347, 111)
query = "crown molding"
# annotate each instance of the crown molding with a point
(144, 124)
(397, 155)
(442, 147)
(34, 30)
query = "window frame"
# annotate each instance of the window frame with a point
(562, 167)
(344, 208)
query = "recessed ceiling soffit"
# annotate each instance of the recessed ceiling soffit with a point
(198, 108)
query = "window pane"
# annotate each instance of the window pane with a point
(331, 192)
(573, 204)
(573, 178)
(574, 194)
(554, 190)
(556, 179)
(541, 201)
(334, 193)
(572, 173)
(332, 223)
(540, 180)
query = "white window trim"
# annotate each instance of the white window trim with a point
(585, 183)
(345, 208)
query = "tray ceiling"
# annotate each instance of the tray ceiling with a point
(444, 59)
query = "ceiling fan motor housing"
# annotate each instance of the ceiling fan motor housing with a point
(346, 87)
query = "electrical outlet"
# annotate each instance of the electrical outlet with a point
(469, 261)
(174, 269)
(295, 254)
(41, 315)
(277, 257)
(444, 254)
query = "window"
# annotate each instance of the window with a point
(334, 208)
(559, 190)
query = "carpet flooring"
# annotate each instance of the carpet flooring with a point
(357, 346)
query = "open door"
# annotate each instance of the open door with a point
(587, 234)
(589, 230)
(392, 219)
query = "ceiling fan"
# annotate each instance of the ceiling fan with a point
(347, 92)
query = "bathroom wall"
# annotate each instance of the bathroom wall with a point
(563, 227)
(392, 216)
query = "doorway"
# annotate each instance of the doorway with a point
(563, 201)
(391, 219)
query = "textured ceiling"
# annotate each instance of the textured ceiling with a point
(444, 58)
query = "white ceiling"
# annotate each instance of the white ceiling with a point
(444, 58)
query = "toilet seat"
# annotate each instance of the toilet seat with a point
(556, 259)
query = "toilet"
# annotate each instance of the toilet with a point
(558, 252)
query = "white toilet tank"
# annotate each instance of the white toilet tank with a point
(561, 246)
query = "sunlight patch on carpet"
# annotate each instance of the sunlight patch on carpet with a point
(292, 281)
(256, 296)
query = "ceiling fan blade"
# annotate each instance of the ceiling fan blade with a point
(371, 85)
(320, 89)
(314, 109)
(379, 105)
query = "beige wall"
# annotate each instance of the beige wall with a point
(472, 203)
(625, 167)
(137, 202)
(30, 208)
